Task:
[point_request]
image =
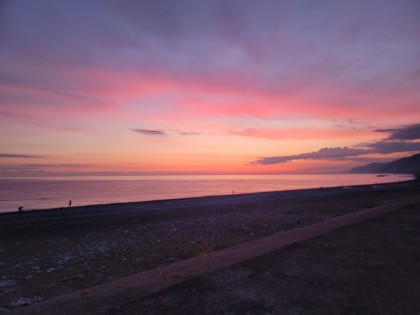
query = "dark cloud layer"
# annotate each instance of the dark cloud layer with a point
(43, 166)
(387, 147)
(188, 133)
(160, 132)
(322, 154)
(400, 140)
(411, 132)
(150, 132)
(24, 156)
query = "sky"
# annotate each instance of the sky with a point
(207, 87)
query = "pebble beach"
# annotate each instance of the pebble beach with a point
(47, 253)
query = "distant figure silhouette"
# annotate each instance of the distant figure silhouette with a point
(233, 192)
(20, 209)
(69, 204)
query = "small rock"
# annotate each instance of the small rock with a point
(8, 290)
(7, 283)
(23, 301)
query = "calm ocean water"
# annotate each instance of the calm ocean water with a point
(55, 192)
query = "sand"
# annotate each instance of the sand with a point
(52, 252)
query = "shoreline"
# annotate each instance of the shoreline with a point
(288, 193)
(53, 252)
(48, 198)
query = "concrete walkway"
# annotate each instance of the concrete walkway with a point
(370, 267)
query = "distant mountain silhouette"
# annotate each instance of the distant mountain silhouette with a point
(407, 165)
(368, 168)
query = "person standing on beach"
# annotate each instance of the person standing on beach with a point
(69, 204)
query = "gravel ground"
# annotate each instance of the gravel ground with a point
(52, 252)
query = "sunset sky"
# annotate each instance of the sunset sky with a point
(207, 87)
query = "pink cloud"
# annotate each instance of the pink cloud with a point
(324, 104)
(105, 93)
(306, 133)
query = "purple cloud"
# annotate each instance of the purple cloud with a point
(386, 147)
(24, 156)
(322, 154)
(160, 132)
(398, 141)
(411, 132)
(188, 133)
(150, 132)
(43, 166)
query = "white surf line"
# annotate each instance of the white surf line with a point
(98, 299)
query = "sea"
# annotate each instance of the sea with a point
(56, 191)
